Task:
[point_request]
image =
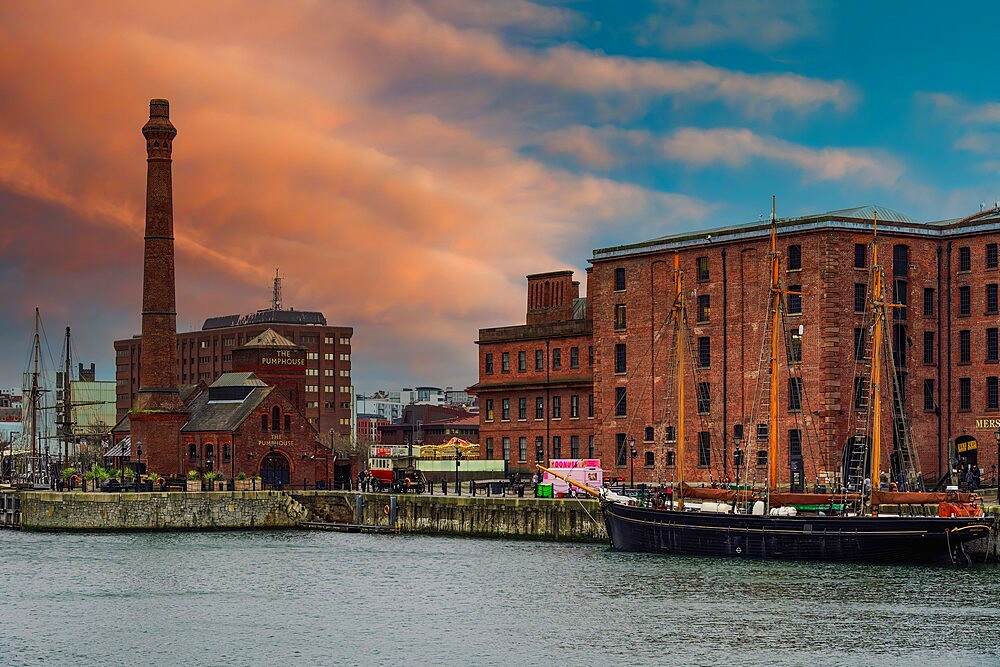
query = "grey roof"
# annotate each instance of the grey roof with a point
(238, 380)
(867, 213)
(223, 416)
(266, 317)
(271, 338)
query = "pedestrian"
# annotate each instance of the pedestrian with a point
(444, 487)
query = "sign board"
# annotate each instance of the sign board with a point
(585, 471)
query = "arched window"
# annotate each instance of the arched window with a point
(649, 459)
(275, 419)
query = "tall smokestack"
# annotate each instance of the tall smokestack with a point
(158, 374)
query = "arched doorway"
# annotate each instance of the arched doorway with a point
(967, 450)
(275, 470)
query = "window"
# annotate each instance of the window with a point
(619, 317)
(522, 408)
(590, 447)
(860, 393)
(489, 363)
(794, 443)
(328, 356)
(704, 397)
(702, 270)
(859, 344)
(762, 432)
(964, 259)
(489, 448)
(312, 371)
(794, 394)
(574, 357)
(671, 458)
(522, 448)
(860, 256)
(964, 301)
(860, 297)
(539, 408)
(704, 449)
(648, 434)
(704, 307)
(991, 298)
(964, 393)
(621, 449)
(928, 302)
(620, 279)
(899, 343)
(522, 361)
(928, 394)
(312, 356)
(574, 406)
(621, 402)
(991, 255)
(489, 409)
(794, 257)
(505, 409)
(991, 345)
(590, 355)
(900, 298)
(648, 459)
(539, 448)
(992, 395)
(762, 457)
(556, 359)
(275, 419)
(227, 452)
(964, 346)
(900, 260)
(620, 358)
(574, 446)
(670, 434)
(539, 360)
(557, 407)
(505, 362)
(928, 347)
(795, 299)
(312, 388)
(505, 444)
(794, 346)
(704, 351)
(590, 405)
(345, 356)
(556, 447)
(192, 452)
(738, 432)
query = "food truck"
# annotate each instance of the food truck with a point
(584, 471)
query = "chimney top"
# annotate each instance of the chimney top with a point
(159, 108)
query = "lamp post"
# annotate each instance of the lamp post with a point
(138, 472)
(458, 462)
(271, 459)
(632, 453)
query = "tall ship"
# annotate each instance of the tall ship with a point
(846, 521)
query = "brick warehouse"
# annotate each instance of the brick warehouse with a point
(944, 338)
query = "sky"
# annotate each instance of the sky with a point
(405, 164)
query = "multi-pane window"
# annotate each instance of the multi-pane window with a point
(621, 402)
(557, 407)
(762, 432)
(794, 346)
(704, 351)
(590, 355)
(900, 260)
(574, 446)
(761, 457)
(574, 357)
(590, 447)
(505, 443)
(991, 298)
(574, 406)
(590, 405)
(928, 347)
(621, 449)
(489, 448)
(489, 363)
(620, 279)
(991, 345)
(539, 448)
(621, 358)
(928, 301)
(505, 362)
(505, 409)
(671, 458)
(556, 359)
(991, 255)
(704, 397)
(619, 317)
(860, 297)
(992, 394)
(648, 433)
(704, 307)
(794, 257)
(704, 449)
(539, 360)
(522, 448)
(859, 344)
(900, 298)
(794, 394)
(522, 361)
(489, 409)
(539, 408)
(964, 393)
(794, 299)
(899, 345)
(860, 256)
(964, 346)
(794, 443)
(964, 301)
(670, 434)
(928, 394)
(702, 272)
(522, 408)
(965, 259)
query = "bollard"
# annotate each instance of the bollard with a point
(359, 507)
(393, 511)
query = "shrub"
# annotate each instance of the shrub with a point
(241, 475)
(193, 474)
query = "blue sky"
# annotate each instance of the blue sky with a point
(406, 164)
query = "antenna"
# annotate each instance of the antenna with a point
(276, 292)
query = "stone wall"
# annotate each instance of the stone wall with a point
(43, 510)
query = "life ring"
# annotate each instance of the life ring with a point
(385, 510)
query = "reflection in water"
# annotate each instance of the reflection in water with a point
(319, 598)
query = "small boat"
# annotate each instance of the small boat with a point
(766, 523)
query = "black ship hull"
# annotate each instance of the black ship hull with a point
(921, 540)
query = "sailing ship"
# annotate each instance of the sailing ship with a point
(27, 464)
(768, 523)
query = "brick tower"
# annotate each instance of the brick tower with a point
(158, 413)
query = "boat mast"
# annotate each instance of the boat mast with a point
(33, 403)
(878, 320)
(678, 316)
(772, 431)
(67, 421)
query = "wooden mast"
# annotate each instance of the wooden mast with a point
(772, 431)
(878, 319)
(678, 316)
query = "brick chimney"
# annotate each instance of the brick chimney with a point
(551, 296)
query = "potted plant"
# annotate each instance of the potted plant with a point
(66, 474)
(153, 481)
(193, 480)
(215, 482)
(243, 483)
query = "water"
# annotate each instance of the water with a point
(315, 598)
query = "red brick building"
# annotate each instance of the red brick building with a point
(944, 339)
(535, 389)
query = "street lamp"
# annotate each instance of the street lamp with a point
(271, 459)
(458, 462)
(138, 472)
(633, 453)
